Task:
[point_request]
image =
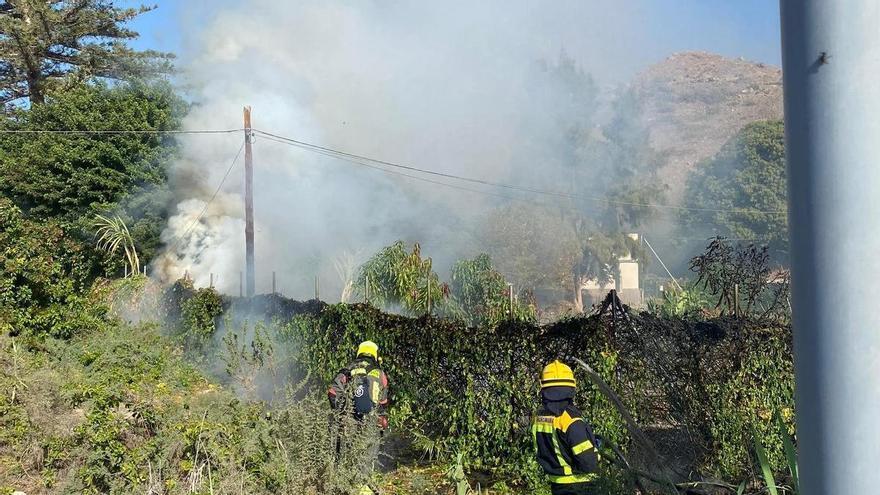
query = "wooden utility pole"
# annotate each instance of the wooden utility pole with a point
(248, 202)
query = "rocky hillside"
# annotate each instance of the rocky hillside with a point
(694, 102)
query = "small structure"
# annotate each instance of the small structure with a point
(626, 281)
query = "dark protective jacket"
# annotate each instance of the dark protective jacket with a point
(564, 442)
(372, 396)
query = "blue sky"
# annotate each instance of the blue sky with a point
(734, 28)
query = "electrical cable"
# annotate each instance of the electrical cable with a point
(119, 131)
(367, 161)
(423, 179)
(339, 153)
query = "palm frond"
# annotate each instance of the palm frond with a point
(110, 234)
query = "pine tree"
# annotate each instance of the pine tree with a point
(42, 42)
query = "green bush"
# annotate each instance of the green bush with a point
(472, 391)
(398, 279)
(757, 382)
(462, 391)
(481, 295)
(199, 313)
(43, 276)
(192, 315)
(682, 302)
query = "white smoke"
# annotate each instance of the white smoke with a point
(439, 85)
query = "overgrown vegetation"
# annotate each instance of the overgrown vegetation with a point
(43, 276)
(118, 411)
(112, 385)
(746, 182)
(699, 380)
(71, 177)
(139, 418)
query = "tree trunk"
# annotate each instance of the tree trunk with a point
(35, 87)
(578, 293)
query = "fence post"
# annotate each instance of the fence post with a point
(429, 293)
(273, 284)
(614, 302)
(367, 289)
(736, 300)
(317, 293)
(510, 301)
(240, 284)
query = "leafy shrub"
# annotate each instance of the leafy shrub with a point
(473, 391)
(688, 301)
(200, 311)
(468, 392)
(192, 314)
(43, 274)
(394, 278)
(482, 296)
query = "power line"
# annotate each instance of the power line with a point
(367, 161)
(118, 131)
(205, 208)
(422, 179)
(338, 153)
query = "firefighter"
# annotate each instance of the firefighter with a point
(366, 383)
(565, 444)
(361, 389)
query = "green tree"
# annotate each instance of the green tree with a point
(606, 173)
(397, 278)
(627, 168)
(73, 176)
(534, 247)
(43, 272)
(482, 295)
(46, 42)
(747, 179)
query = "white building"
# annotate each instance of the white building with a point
(629, 288)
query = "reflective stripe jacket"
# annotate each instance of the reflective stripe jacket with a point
(565, 446)
(376, 380)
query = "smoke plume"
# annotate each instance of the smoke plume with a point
(446, 86)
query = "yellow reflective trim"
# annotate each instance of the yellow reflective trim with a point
(374, 392)
(565, 467)
(564, 421)
(543, 424)
(573, 478)
(358, 371)
(581, 447)
(544, 428)
(535, 436)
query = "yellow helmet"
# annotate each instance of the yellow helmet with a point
(368, 348)
(557, 374)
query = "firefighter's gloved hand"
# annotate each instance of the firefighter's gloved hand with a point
(383, 422)
(599, 442)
